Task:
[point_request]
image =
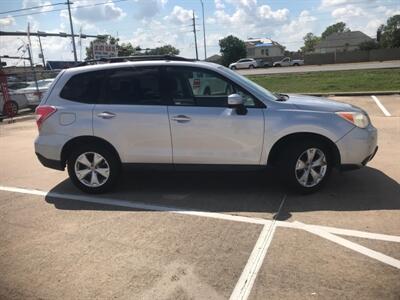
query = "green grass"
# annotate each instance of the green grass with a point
(332, 81)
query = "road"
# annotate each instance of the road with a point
(328, 67)
(166, 235)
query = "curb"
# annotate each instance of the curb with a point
(351, 93)
(5, 120)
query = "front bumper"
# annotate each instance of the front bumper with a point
(358, 146)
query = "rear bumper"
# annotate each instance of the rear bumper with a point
(50, 163)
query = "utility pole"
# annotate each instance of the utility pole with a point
(204, 31)
(72, 30)
(29, 46)
(32, 67)
(195, 36)
(41, 51)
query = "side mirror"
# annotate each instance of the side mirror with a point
(236, 101)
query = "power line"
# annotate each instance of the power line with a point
(30, 8)
(64, 9)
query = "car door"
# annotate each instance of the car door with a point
(204, 130)
(132, 116)
(242, 64)
(285, 62)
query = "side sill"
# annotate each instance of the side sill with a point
(190, 167)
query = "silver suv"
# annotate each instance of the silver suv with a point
(151, 112)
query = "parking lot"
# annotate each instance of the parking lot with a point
(205, 235)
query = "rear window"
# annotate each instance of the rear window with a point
(84, 88)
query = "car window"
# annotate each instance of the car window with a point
(132, 86)
(210, 89)
(83, 87)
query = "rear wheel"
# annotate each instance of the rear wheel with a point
(93, 169)
(306, 166)
(278, 65)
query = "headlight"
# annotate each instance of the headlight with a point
(357, 118)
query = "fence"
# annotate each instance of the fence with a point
(352, 56)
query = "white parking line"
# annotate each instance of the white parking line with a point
(245, 283)
(221, 216)
(380, 105)
(249, 274)
(353, 246)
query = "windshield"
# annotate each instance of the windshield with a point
(244, 79)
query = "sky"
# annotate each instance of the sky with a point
(152, 23)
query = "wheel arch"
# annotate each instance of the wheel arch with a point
(84, 140)
(301, 136)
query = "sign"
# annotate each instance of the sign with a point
(104, 50)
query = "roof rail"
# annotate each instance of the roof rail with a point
(133, 58)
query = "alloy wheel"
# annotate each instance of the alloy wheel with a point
(311, 167)
(92, 169)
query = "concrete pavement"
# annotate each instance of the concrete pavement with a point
(58, 245)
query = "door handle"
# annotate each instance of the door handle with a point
(106, 115)
(181, 118)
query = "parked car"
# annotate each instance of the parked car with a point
(17, 102)
(244, 63)
(32, 94)
(96, 119)
(287, 61)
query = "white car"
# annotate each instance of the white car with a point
(32, 95)
(287, 61)
(244, 63)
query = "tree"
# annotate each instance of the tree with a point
(310, 41)
(390, 33)
(232, 49)
(163, 50)
(125, 49)
(369, 45)
(338, 27)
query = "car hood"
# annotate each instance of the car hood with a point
(305, 102)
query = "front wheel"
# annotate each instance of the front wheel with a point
(93, 170)
(251, 67)
(306, 166)
(233, 68)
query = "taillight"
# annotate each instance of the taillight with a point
(44, 112)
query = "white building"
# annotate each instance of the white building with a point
(263, 48)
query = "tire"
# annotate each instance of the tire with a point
(251, 67)
(278, 65)
(11, 105)
(233, 68)
(299, 175)
(296, 65)
(106, 161)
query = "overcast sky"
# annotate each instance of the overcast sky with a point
(151, 23)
